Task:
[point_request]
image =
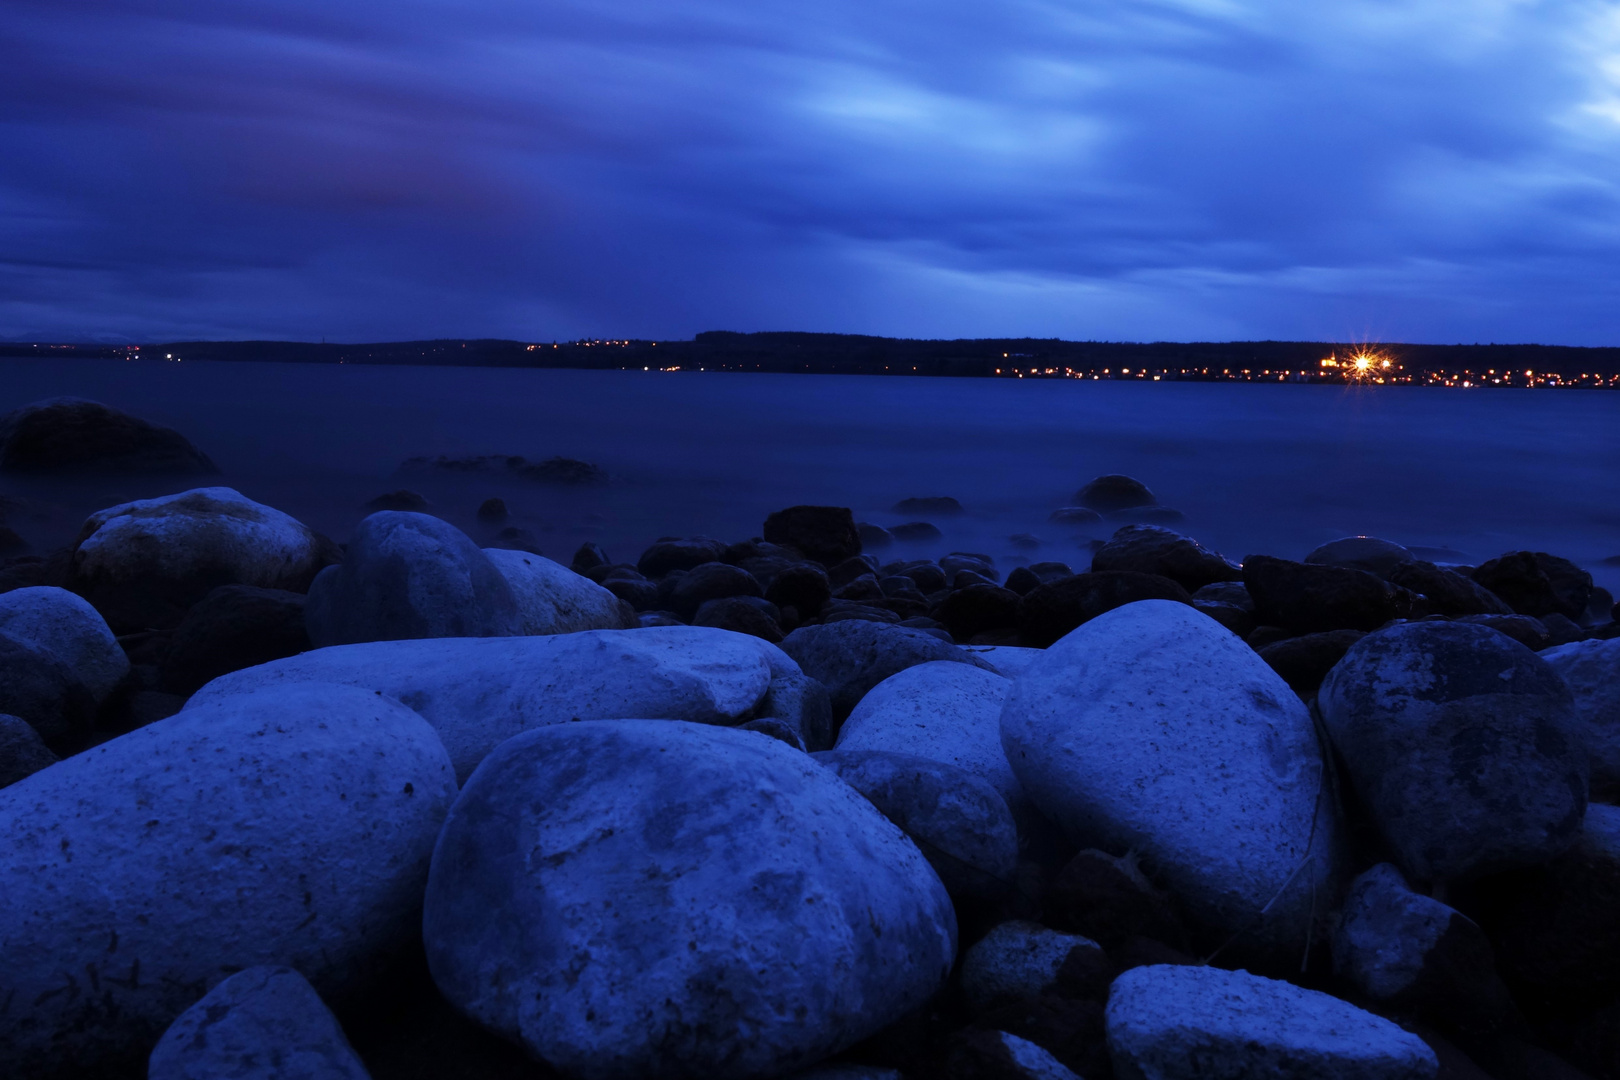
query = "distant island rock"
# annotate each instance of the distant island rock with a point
(69, 434)
(554, 470)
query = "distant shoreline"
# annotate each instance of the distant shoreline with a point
(1309, 362)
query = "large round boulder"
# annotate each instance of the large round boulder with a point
(69, 627)
(711, 581)
(826, 534)
(38, 687)
(143, 564)
(1152, 729)
(410, 576)
(1462, 746)
(1307, 598)
(551, 598)
(1446, 591)
(291, 827)
(1535, 583)
(657, 899)
(1114, 492)
(1591, 670)
(1368, 553)
(1150, 549)
(74, 435)
(851, 656)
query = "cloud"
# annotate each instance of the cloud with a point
(1428, 170)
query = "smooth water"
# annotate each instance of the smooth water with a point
(1256, 468)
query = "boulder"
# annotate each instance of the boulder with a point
(1151, 729)
(1049, 612)
(1527, 631)
(67, 626)
(493, 511)
(288, 827)
(846, 572)
(1535, 583)
(1447, 592)
(711, 581)
(478, 692)
(1024, 578)
(851, 656)
(1410, 952)
(947, 711)
(1150, 549)
(1074, 515)
(638, 592)
(976, 609)
(410, 576)
(1234, 593)
(1016, 960)
(1172, 1022)
(804, 586)
(802, 704)
(678, 554)
(263, 1023)
(1368, 553)
(39, 688)
(1114, 492)
(926, 574)
(1462, 746)
(1308, 599)
(874, 537)
(826, 534)
(143, 564)
(551, 598)
(980, 564)
(1304, 661)
(1591, 670)
(741, 615)
(930, 505)
(916, 531)
(68, 434)
(656, 899)
(1001, 1055)
(1110, 900)
(959, 822)
(233, 627)
(22, 752)
(1231, 616)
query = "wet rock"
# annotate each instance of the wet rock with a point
(1110, 900)
(826, 534)
(1001, 1055)
(68, 627)
(874, 537)
(1112, 734)
(1149, 549)
(1231, 616)
(493, 511)
(804, 586)
(555, 470)
(1047, 613)
(135, 874)
(1181, 1023)
(410, 576)
(678, 554)
(552, 599)
(264, 1023)
(1114, 492)
(1591, 670)
(1303, 662)
(1536, 583)
(233, 627)
(1016, 960)
(849, 657)
(1368, 553)
(916, 531)
(741, 615)
(684, 938)
(978, 608)
(38, 687)
(1527, 631)
(1462, 746)
(710, 581)
(931, 506)
(1413, 953)
(403, 499)
(1448, 592)
(1075, 515)
(143, 564)
(1308, 599)
(959, 822)
(22, 752)
(66, 434)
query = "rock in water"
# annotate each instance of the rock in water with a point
(826, 534)
(289, 827)
(1114, 492)
(265, 1023)
(143, 564)
(1152, 729)
(1535, 583)
(1462, 745)
(1368, 553)
(69, 627)
(1171, 1022)
(74, 435)
(654, 899)
(852, 656)
(22, 752)
(410, 576)
(1149, 549)
(1447, 592)
(1591, 669)
(1308, 599)
(477, 692)
(551, 598)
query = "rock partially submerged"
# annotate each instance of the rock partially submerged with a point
(67, 435)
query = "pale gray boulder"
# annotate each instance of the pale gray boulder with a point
(551, 598)
(851, 656)
(1175, 1022)
(1151, 729)
(143, 564)
(264, 1023)
(407, 576)
(656, 899)
(958, 821)
(947, 711)
(1015, 961)
(1591, 670)
(293, 827)
(22, 752)
(1462, 746)
(478, 692)
(66, 624)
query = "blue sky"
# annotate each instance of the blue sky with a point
(1421, 170)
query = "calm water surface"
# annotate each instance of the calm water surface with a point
(1256, 468)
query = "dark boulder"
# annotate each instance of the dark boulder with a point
(1114, 492)
(1227, 592)
(927, 573)
(638, 592)
(1025, 578)
(1304, 661)
(931, 505)
(589, 556)
(1074, 515)
(233, 627)
(826, 534)
(852, 655)
(679, 554)
(1375, 556)
(1110, 900)
(38, 687)
(850, 569)
(1448, 592)
(1308, 599)
(874, 537)
(977, 609)
(1048, 612)
(74, 435)
(739, 615)
(916, 531)
(804, 586)
(403, 499)
(493, 511)
(1238, 620)
(962, 579)
(1536, 583)
(1149, 549)
(1527, 631)
(710, 581)
(983, 565)
(861, 589)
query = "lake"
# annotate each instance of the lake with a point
(1256, 468)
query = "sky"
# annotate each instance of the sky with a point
(361, 170)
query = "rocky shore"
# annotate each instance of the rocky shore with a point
(408, 807)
